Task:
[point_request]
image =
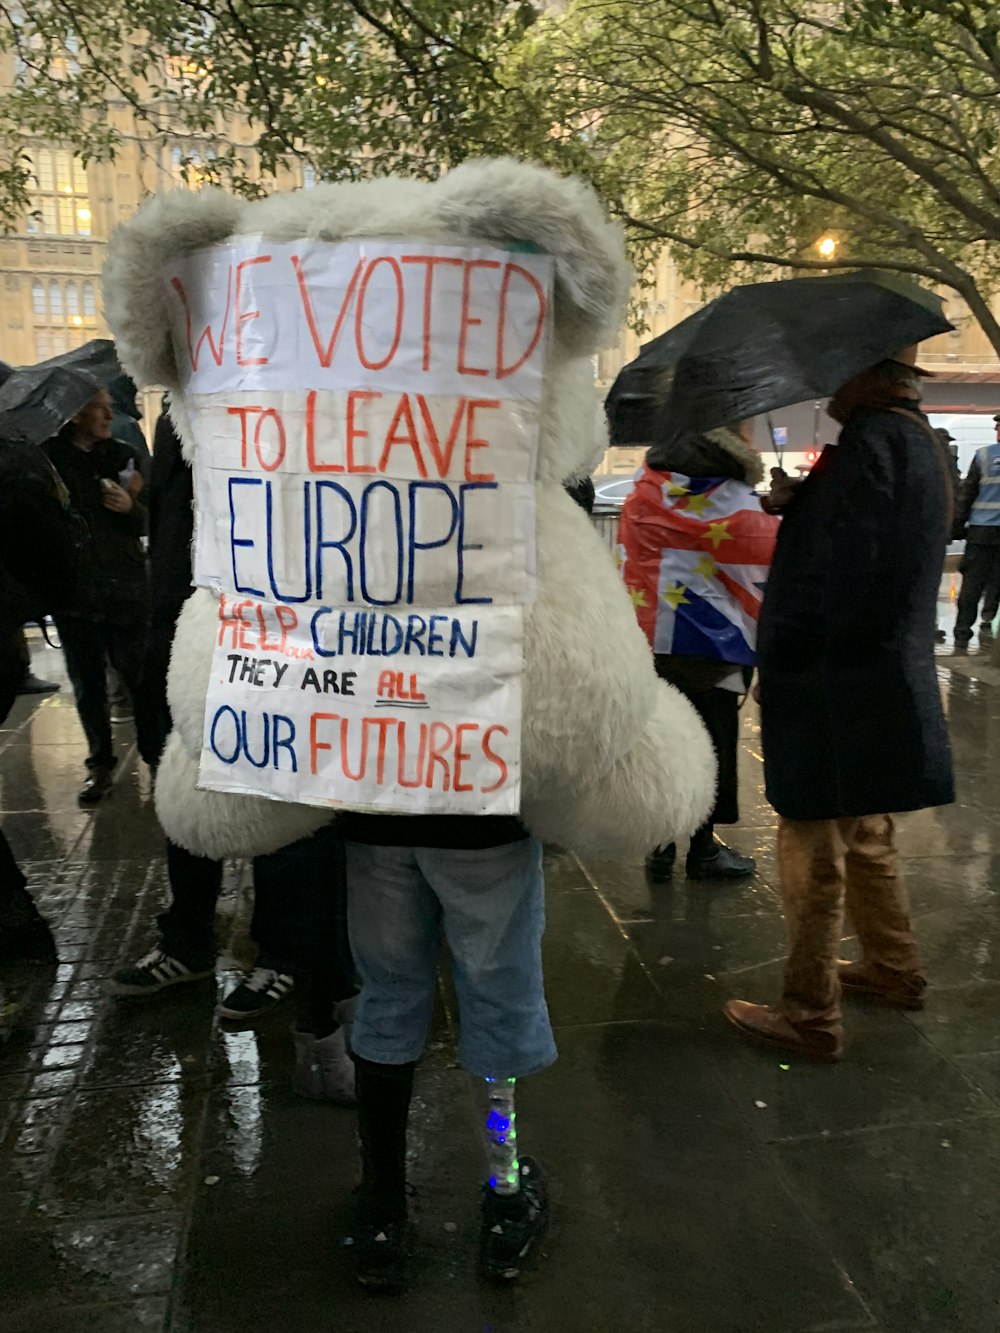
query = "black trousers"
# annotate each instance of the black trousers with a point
(980, 583)
(720, 712)
(12, 881)
(88, 646)
(299, 920)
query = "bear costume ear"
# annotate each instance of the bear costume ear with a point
(504, 200)
(134, 299)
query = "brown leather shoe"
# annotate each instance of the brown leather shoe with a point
(904, 989)
(771, 1027)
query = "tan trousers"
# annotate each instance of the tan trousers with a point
(826, 865)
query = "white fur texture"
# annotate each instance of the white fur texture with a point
(613, 761)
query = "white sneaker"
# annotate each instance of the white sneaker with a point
(323, 1069)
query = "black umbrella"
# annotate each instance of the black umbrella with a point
(770, 344)
(35, 401)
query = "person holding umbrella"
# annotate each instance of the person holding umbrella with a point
(851, 717)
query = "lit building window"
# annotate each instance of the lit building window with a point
(64, 312)
(61, 199)
(89, 306)
(39, 305)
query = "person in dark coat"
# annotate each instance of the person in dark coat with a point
(852, 724)
(109, 625)
(712, 672)
(37, 561)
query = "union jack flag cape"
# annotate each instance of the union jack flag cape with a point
(694, 553)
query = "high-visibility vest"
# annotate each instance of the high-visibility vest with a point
(986, 509)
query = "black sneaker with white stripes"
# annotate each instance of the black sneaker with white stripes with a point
(511, 1225)
(154, 973)
(258, 993)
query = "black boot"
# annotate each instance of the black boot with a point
(708, 858)
(660, 862)
(24, 934)
(383, 1093)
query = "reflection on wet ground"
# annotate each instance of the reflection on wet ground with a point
(157, 1173)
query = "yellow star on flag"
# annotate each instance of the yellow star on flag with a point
(697, 504)
(717, 533)
(707, 566)
(638, 596)
(619, 556)
(674, 594)
(672, 488)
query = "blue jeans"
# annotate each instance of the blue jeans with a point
(489, 906)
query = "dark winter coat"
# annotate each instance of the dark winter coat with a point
(113, 571)
(39, 539)
(851, 714)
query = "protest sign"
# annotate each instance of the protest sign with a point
(366, 426)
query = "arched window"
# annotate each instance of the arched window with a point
(89, 306)
(55, 301)
(72, 300)
(39, 305)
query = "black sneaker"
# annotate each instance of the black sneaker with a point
(155, 972)
(722, 863)
(258, 993)
(98, 785)
(380, 1252)
(32, 684)
(660, 863)
(512, 1224)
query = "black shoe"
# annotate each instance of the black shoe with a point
(722, 863)
(258, 993)
(660, 863)
(98, 785)
(380, 1251)
(511, 1224)
(27, 940)
(32, 684)
(154, 973)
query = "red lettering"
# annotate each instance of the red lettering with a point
(386, 688)
(502, 370)
(472, 443)
(414, 693)
(270, 413)
(314, 464)
(315, 744)
(494, 757)
(443, 463)
(431, 261)
(288, 621)
(359, 314)
(194, 353)
(243, 642)
(437, 756)
(403, 780)
(241, 412)
(325, 354)
(409, 438)
(462, 756)
(364, 395)
(466, 321)
(381, 724)
(243, 316)
(345, 726)
(265, 647)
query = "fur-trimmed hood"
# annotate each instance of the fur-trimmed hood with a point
(717, 453)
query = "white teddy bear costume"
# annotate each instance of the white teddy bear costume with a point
(613, 761)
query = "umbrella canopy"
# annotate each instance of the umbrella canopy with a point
(35, 401)
(770, 344)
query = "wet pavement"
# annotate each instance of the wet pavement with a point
(157, 1173)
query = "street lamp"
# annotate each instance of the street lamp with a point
(827, 246)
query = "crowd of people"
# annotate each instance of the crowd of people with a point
(348, 921)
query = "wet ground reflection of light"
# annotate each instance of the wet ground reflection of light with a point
(245, 1143)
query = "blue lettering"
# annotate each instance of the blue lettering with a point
(415, 546)
(267, 741)
(397, 510)
(230, 712)
(322, 544)
(313, 629)
(435, 639)
(235, 541)
(416, 628)
(285, 742)
(280, 596)
(462, 547)
(458, 637)
(388, 621)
